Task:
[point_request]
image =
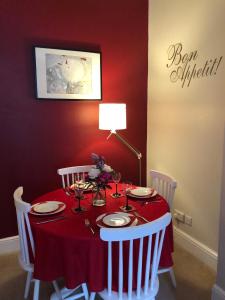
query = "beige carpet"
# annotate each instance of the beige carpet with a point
(194, 280)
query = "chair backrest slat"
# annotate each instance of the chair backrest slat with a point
(63, 181)
(22, 241)
(148, 264)
(29, 233)
(152, 251)
(154, 261)
(24, 229)
(130, 270)
(120, 269)
(109, 268)
(71, 174)
(164, 184)
(139, 273)
(68, 180)
(162, 233)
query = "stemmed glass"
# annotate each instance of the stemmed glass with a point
(127, 188)
(70, 189)
(78, 191)
(116, 177)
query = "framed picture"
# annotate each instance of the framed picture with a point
(67, 74)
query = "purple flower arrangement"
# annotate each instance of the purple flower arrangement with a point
(101, 174)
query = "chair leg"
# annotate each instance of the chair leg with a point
(57, 290)
(172, 276)
(27, 286)
(92, 296)
(85, 290)
(65, 294)
(36, 289)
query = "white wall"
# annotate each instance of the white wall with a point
(186, 125)
(218, 291)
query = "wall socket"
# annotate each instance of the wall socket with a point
(188, 220)
(179, 216)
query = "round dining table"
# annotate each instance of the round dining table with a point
(67, 248)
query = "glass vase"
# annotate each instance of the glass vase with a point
(99, 197)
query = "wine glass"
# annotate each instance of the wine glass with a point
(78, 192)
(70, 189)
(127, 188)
(116, 177)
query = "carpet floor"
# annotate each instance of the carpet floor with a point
(194, 279)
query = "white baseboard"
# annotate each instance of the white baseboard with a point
(199, 250)
(218, 293)
(10, 244)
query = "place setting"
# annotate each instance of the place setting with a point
(86, 186)
(50, 209)
(77, 190)
(47, 208)
(144, 195)
(116, 220)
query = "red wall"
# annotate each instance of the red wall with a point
(39, 136)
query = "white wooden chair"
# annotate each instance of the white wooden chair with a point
(26, 237)
(151, 283)
(72, 174)
(165, 185)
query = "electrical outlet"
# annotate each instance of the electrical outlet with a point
(188, 220)
(179, 215)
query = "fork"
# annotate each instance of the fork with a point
(88, 224)
(141, 217)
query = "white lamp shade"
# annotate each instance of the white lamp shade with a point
(112, 116)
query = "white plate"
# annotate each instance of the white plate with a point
(46, 207)
(36, 207)
(134, 223)
(152, 194)
(140, 192)
(116, 220)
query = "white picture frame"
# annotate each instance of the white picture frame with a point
(67, 74)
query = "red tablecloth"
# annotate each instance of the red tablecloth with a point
(68, 249)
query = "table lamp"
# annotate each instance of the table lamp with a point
(112, 116)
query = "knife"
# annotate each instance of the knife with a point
(51, 220)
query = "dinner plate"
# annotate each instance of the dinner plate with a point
(141, 192)
(152, 194)
(116, 220)
(47, 208)
(133, 220)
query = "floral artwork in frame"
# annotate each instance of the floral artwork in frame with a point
(67, 74)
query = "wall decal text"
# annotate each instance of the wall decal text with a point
(183, 66)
